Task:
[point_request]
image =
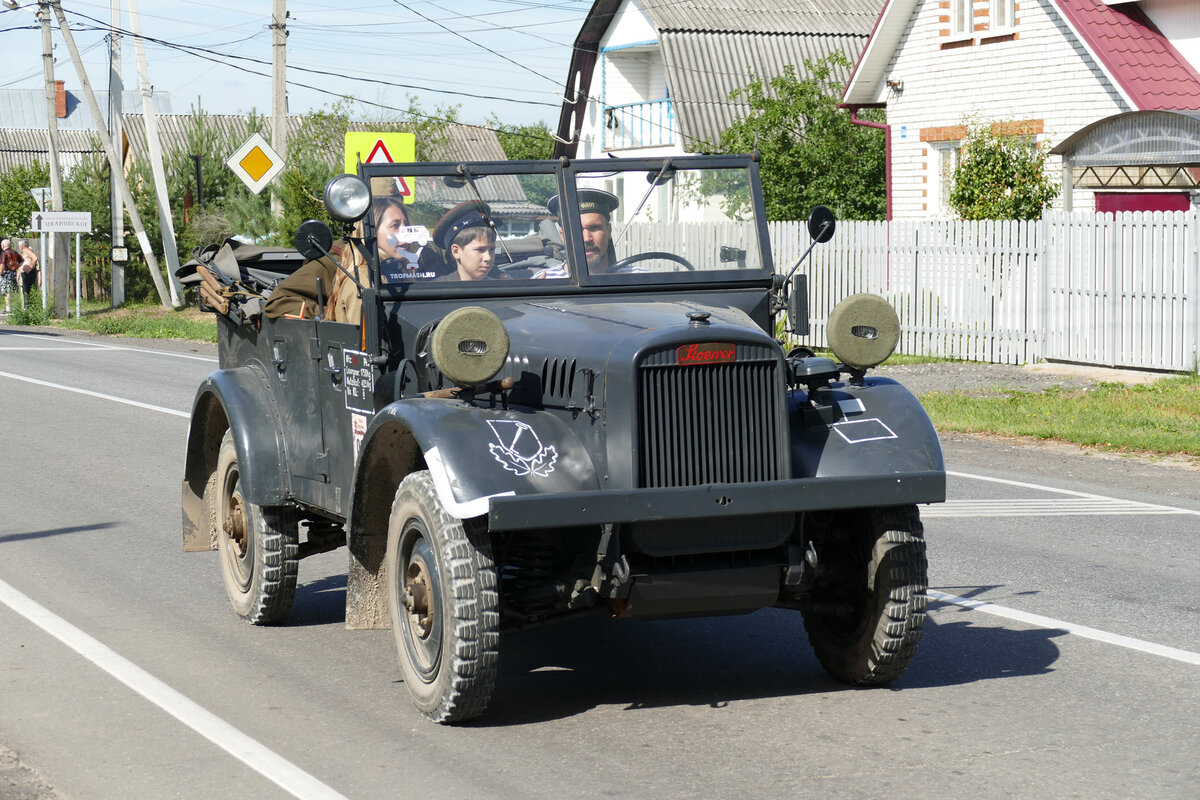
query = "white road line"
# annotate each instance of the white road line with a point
(250, 752)
(1031, 507)
(76, 344)
(173, 412)
(1103, 499)
(43, 348)
(1039, 621)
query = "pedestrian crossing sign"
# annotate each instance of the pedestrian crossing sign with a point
(381, 148)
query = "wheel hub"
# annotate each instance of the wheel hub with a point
(416, 598)
(235, 524)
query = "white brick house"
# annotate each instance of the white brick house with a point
(1051, 69)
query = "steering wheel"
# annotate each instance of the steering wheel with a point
(624, 262)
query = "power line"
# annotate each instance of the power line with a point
(477, 44)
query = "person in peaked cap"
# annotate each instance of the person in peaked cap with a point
(466, 236)
(595, 209)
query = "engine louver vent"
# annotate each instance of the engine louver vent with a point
(558, 377)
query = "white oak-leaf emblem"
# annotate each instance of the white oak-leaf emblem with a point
(519, 450)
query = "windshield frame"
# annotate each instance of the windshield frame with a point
(565, 173)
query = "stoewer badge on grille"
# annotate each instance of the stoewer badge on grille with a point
(706, 353)
(519, 449)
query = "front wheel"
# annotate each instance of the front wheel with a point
(259, 547)
(865, 622)
(444, 604)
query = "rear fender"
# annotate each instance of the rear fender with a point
(874, 429)
(239, 400)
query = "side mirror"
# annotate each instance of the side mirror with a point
(821, 223)
(313, 239)
(797, 305)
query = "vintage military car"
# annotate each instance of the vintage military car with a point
(600, 418)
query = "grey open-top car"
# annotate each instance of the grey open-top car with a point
(588, 412)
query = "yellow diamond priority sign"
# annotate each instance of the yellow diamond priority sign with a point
(255, 163)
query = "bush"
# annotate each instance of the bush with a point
(1001, 177)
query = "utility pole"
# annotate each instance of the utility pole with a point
(56, 278)
(115, 129)
(279, 88)
(154, 152)
(114, 159)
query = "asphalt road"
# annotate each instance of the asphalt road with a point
(123, 672)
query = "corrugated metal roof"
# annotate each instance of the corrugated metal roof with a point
(25, 147)
(1136, 53)
(845, 17)
(703, 68)
(26, 108)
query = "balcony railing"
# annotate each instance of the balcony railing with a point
(649, 124)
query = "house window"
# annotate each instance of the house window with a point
(997, 17)
(945, 162)
(1001, 14)
(960, 17)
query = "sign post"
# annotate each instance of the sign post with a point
(76, 222)
(41, 195)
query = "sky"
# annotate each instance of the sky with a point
(507, 58)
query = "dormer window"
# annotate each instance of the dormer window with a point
(1001, 15)
(978, 20)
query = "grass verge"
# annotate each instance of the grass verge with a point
(145, 322)
(1161, 418)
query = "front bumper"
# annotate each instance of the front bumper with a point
(523, 512)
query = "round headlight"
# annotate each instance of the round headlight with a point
(469, 346)
(347, 198)
(863, 330)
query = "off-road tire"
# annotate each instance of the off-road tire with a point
(259, 547)
(884, 591)
(447, 624)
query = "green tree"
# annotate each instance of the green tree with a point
(531, 142)
(315, 155)
(1000, 176)
(86, 188)
(811, 153)
(16, 203)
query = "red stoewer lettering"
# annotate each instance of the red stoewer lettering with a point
(706, 353)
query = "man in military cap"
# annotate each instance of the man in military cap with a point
(468, 239)
(595, 209)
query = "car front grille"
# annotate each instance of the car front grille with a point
(710, 423)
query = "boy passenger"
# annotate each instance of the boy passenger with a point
(467, 238)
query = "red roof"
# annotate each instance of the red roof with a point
(1135, 52)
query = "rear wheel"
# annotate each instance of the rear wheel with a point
(864, 624)
(258, 547)
(444, 604)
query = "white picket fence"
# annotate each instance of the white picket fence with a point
(1111, 290)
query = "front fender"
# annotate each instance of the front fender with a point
(878, 428)
(474, 453)
(240, 400)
